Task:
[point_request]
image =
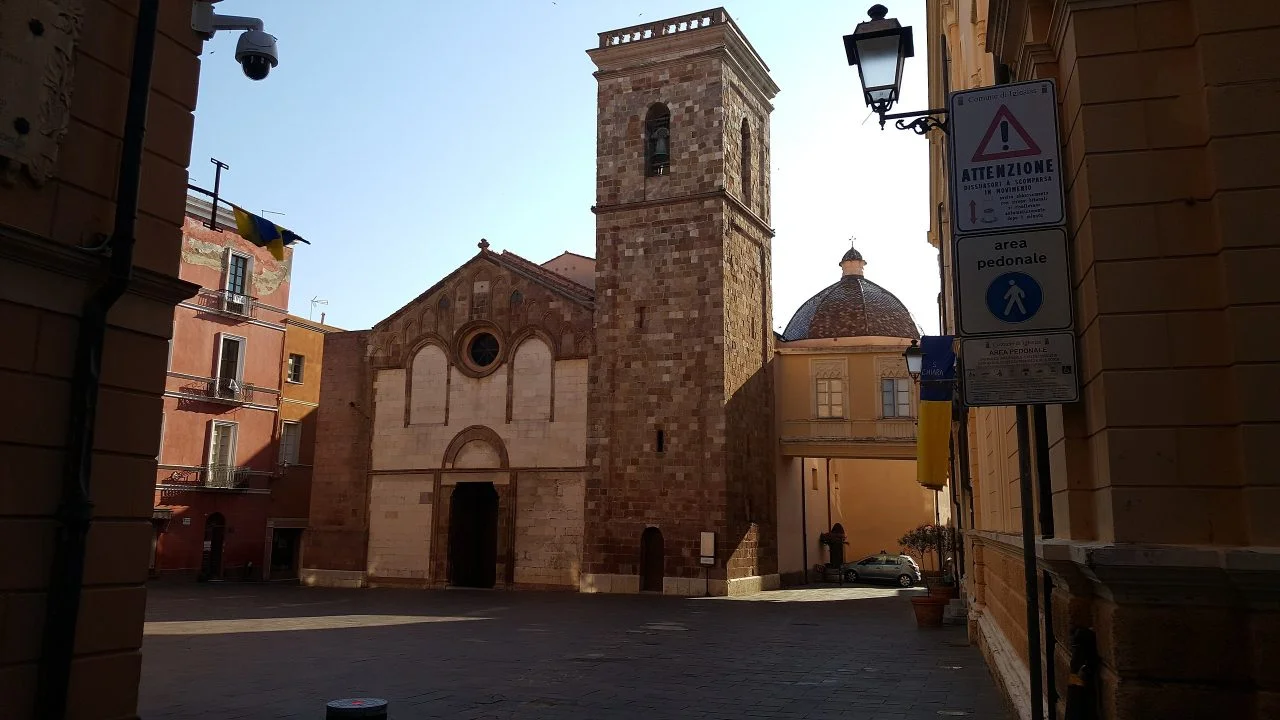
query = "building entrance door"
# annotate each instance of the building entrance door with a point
(473, 535)
(215, 531)
(651, 560)
(284, 553)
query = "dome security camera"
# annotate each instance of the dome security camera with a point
(256, 53)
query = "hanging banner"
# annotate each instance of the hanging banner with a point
(933, 432)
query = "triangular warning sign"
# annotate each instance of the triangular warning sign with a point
(1006, 138)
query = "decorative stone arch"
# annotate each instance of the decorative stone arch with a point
(471, 434)
(518, 339)
(410, 356)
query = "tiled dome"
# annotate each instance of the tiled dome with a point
(853, 307)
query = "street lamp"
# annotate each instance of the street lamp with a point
(880, 48)
(915, 359)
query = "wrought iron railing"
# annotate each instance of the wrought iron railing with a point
(228, 302)
(230, 389)
(225, 476)
(888, 429)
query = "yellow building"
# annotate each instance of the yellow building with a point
(1157, 547)
(846, 412)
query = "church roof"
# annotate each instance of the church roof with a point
(852, 307)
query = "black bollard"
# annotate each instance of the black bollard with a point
(368, 708)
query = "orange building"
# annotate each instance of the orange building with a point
(219, 455)
(299, 398)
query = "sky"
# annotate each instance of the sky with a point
(395, 134)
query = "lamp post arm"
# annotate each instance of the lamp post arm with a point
(924, 122)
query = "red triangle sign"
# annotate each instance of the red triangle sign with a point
(1006, 138)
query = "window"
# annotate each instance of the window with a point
(830, 398)
(296, 363)
(657, 140)
(516, 298)
(230, 366)
(222, 445)
(290, 441)
(483, 350)
(640, 317)
(895, 395)
(746, 162)
(238, 274)
(813, 473)
(662, 441)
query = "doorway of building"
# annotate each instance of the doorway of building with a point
(284, 553)
(651, 559)
(473, 535)
(837, 545)
(215, 533)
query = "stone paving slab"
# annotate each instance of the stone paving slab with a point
(269, 651)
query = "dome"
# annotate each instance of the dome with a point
(852, 307)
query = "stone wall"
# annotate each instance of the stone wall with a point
(335, 541)
(679, 401)
(400, 526)
(549, 520)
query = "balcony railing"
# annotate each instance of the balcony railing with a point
(225, 476)
(889, 429)
(228, 302)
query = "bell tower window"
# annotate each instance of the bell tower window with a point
(657, 136)
(746, 162)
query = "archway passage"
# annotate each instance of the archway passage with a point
(215, 533)
(651, 560)
(473, 535)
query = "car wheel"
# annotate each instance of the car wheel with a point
(905, 581)
(851, 576)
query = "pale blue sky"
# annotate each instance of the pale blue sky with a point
(397, 133)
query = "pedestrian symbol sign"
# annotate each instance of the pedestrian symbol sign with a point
(1014, 297)
(1005, 139)
(1013, 282)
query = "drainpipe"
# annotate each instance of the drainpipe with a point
(75, 510)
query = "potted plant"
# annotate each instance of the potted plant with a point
(928, 610)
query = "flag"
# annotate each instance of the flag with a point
(264, 233)
(933, 435)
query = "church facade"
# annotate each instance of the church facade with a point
(597, 424)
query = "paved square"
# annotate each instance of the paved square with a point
(253, 651)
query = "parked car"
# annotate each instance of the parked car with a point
(901, 569)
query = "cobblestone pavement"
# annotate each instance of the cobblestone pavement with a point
(252, 651)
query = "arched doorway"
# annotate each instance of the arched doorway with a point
(215, 533)
(473, 535)
(837, 545)
(652, 556)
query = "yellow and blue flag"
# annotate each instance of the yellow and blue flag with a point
(933, 435)
(264, 233)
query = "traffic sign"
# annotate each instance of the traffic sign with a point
(1006, 169)
(1013, 282)
(1036, 369)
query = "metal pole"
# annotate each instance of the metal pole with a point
(217, 184)
(1029, 562)
(1040, 427)
(75, 509)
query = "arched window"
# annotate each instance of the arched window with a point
(746, 162)
(657, 140)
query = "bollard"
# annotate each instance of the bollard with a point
(369, 708)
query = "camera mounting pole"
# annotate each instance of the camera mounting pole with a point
(207, 22)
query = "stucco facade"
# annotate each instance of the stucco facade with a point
(1164, 550)
(47, 223)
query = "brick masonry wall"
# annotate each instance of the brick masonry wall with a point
(338, 532)
(682, 320)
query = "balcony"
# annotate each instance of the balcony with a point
(227, 390)
(888, 438)
(221, 477)
(228, 302)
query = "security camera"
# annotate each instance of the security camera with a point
(255, 51)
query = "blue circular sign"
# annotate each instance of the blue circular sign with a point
(1014, 297)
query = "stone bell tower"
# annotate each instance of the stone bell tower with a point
(680, 402)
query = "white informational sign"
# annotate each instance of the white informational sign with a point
(1013, 282)
(707, 548)
(1020, 370)
(1006, 169)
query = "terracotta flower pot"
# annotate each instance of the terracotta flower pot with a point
(928, 610)
(947, 592)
